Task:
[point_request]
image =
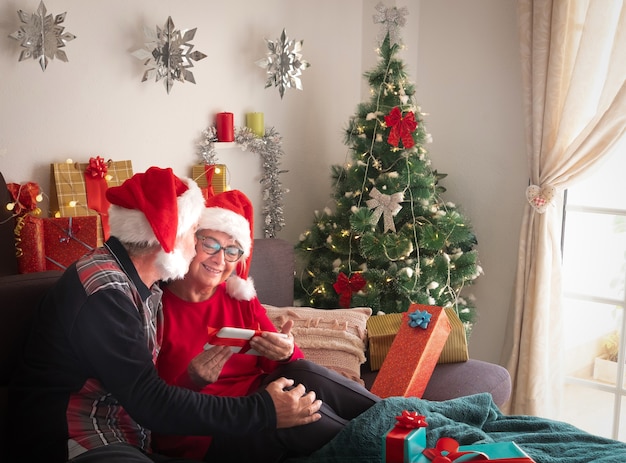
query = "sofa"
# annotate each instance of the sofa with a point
(272, 269)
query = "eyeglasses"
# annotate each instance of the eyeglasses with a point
(212, 247)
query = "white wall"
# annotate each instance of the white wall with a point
(469, 82)
(462, 56)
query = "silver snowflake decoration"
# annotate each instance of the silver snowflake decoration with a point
(41, 36)
(392, 19)
(284, 63)
(169, 53)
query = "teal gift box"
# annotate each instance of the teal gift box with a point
(406, 440)
(503, 452)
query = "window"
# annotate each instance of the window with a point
(594, 302)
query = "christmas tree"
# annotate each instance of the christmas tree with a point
(391, 239)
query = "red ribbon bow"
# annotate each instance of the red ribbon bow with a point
(216, 340)
(345, 286)
(209, 171)
(447, 450)
(95, 189)
(97, 168)
(73, 228)
(411, 420)
(401, 127)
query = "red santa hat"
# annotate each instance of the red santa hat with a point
(231, 212)
(155, 206)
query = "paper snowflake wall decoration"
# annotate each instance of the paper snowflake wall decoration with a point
(41, 36)
(284, 63)
(169, 53)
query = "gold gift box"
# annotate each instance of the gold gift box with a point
(218, 182)
(382, 330)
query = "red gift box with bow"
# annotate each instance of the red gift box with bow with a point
(54, 243)
(414, 352)
(406, 440)
(66, 239)
(237, 338)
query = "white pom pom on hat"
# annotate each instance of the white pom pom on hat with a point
(154, 206)
(231, 212)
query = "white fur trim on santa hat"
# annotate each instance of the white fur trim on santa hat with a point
(132, 226)
(227, 221)
(240, 289)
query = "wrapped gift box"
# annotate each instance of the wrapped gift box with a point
(67, 184)
(382, 330)
(413, 354)
(218, 178)
(29, 244)
(503, 452)
(406, 440)
(68, 238)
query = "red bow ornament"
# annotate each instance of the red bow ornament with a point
(401, 127)
(345, 286)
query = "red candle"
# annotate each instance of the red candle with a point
(225, 127)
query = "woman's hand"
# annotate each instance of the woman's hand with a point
(206, 367)
(275, 346)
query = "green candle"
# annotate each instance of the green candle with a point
(254, 121)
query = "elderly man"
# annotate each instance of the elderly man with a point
(87, 389)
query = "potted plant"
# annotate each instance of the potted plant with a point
(605, 365)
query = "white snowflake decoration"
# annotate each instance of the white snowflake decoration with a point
(284, 63)
(42, 36)
(169, 53)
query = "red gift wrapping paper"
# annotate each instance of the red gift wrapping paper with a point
(413, 355)
(406, 440)
(66, 239)
(29, 244)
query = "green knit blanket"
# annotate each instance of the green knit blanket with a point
(470, 420)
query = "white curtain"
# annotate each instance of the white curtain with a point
(574, 66)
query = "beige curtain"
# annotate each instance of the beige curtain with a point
(574, 75)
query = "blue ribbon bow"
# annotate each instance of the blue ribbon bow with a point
(419, 319)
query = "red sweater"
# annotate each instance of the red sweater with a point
(184, 336)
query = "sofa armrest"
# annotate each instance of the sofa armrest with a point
(453, 380)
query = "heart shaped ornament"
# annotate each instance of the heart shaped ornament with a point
(539, 198)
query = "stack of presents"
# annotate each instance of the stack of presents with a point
(405, 348)
(78, 219)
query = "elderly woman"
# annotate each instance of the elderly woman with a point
(217, 293)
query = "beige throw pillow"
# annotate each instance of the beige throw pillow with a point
(334, 338)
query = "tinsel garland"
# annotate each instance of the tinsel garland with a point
(269, 148)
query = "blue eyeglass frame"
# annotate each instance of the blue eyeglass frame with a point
(231, 253)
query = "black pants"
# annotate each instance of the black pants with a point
(342, 400)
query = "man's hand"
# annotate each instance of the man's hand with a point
(206, 367)
(294, 406)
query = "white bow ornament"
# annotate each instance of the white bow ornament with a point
(389, 205)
